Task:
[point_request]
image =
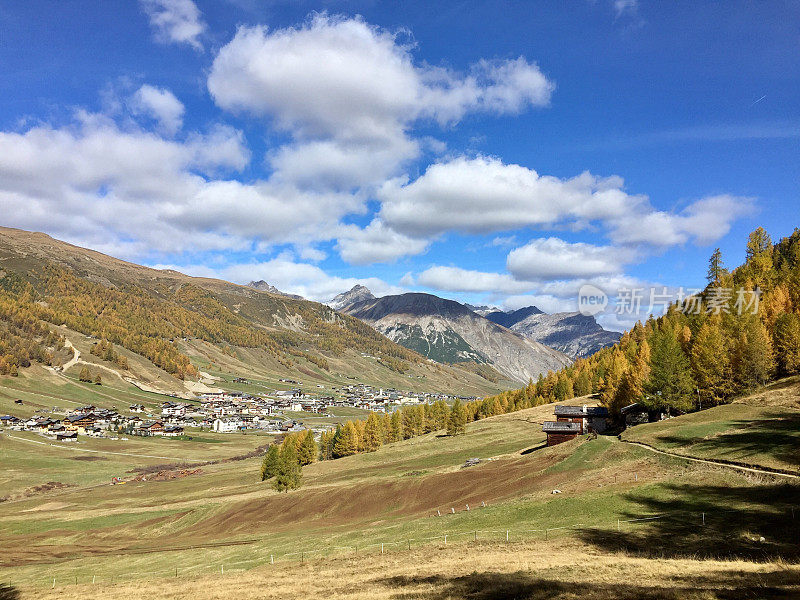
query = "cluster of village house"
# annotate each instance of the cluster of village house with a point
(221, 412)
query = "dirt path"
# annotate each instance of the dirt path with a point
(717, 462)
(76, 355)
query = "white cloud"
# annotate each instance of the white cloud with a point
(333, 164)
(349, 92)
(553, 258)
(376, 243)
(456, 279)
(131, 192)
(622, 7)
(483, 195)
(289, 276)
(705, 221)
(177, 21)
(161, 105)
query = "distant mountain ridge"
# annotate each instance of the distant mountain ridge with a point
(508, 319)
(572, 333)
(263, 286)
(449, 332)
(357, 293)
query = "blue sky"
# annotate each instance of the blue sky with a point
(502, 153)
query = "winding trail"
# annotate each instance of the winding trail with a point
(717, 462)
(76, 356)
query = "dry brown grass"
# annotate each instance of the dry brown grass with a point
(538, 570)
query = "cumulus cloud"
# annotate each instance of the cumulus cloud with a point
(175, 21)
(309, 281)
(553, 258)
(376, 243)
(348, 92)
(130, 192)
(483, 195)
(456, 279)
(161, 105)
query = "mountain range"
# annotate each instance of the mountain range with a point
(572, 333)
(448, 332)
(519, 344)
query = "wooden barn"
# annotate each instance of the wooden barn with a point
(560, 431)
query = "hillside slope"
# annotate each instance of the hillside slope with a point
(447, 331)
(157, 313)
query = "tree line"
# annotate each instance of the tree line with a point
(702, 352)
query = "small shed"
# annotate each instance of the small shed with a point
(560, 431)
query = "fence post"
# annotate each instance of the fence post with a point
(381, 547)
(467, 507)
(476, 535)
(636, 476)
(445, 540)
(222, 569)
(409, 544)
(54, 583)
(545, 533)
(704, 518)
(506, 534)
(272, 559)
(93, 578)
(617, 524)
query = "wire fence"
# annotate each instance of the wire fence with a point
(264, 556)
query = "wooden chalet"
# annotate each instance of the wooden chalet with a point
(572, 421)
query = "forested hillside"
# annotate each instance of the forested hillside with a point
(148, 312)
(740, 332)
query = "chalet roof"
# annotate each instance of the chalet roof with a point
(580, 411)
(633, 408)
(560, 427)
(80, 417)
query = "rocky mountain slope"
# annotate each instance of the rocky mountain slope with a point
(358, 293)
(448, 332)
(572, 333)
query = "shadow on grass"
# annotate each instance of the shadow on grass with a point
(8, 592)
(526, 586)
(534, 449)
(746, 522)
(777, 436)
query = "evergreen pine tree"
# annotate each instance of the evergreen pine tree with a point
(85, 375)
(289, 474)
(711, 363)
(346, 442)
(396, 429)
(373, 433)
(457, 423)
(269, 466)
(670, 383)
(787, 343)
(716, 270)
(307, 450)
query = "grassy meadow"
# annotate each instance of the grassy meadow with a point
(626, 520)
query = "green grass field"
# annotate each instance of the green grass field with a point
(615, 500)
(760, 430)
